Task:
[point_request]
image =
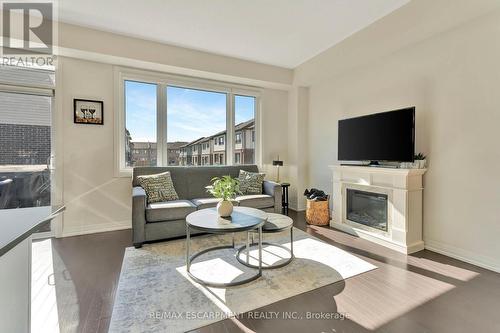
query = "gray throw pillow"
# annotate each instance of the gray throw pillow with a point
(159, 187)
(251, 182)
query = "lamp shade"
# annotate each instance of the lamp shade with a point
(278, 163)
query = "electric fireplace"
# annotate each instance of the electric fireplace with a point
(367, 208)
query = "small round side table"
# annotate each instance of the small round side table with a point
(275, 223)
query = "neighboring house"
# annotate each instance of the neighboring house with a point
(185, 155)
(174, 152)
(219, 151)
(206, 151)
(190, 153)
(244, 143)
(143, 153)
(211, 150)
(128, 147)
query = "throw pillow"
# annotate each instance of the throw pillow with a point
(251, 182)
(159, 187)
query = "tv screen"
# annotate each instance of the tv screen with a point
(386, 136)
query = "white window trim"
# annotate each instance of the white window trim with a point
(122, 74)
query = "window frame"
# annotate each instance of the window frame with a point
(55, 164)
(162, 81)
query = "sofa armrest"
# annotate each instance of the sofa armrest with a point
(273, 189)
(138, 215)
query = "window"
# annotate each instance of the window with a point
(25, 150)
(194, 115)
(244, 127)
(169, 120)
(140, 124)
(27, 156)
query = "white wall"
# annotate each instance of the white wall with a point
(453, 79)
(128, 51)
(96, 200)
(298, 146)
(274, 125)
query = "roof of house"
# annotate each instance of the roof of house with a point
(244, 125)
(143, 145)
(192, 142)
(176, 144)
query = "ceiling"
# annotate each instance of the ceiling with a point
(284, 33)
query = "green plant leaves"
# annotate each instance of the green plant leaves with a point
(225, 188)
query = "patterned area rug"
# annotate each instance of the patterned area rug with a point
(156, 295)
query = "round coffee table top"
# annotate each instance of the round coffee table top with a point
(242, 219)
(277, 222)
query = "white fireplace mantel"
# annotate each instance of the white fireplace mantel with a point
(404, 190)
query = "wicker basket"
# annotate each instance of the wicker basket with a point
(318, 212)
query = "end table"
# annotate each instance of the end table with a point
(284, 198)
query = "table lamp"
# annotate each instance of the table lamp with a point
(277, 163)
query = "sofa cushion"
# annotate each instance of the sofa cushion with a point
(256, 201)
(203, 203)
(169, 210)
(158, 187)
(251, 182)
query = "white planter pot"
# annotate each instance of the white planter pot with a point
(225, 208)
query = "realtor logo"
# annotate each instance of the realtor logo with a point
(27, 28)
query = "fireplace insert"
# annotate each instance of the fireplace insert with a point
(367, 208)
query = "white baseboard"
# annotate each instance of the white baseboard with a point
(95, 228)
(403, 248)
(297, 209)
(463, 255)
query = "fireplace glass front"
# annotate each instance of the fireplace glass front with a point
(367, 208)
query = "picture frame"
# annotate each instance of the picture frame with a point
(88, 112)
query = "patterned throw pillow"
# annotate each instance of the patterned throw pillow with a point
(158, 187)
(251, 182)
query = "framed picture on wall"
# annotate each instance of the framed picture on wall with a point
(88, 112)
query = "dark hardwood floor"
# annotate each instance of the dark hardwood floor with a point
(424, 292)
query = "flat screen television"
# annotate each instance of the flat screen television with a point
(386, 136)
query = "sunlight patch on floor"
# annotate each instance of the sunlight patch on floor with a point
(453, 272)
(217, 270)
(381, 298)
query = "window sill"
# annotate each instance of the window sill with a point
(124, 173)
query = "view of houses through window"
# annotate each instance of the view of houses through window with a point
(196, 121)
(195, 126)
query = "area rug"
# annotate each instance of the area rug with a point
(155, 293)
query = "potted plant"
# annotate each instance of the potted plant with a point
(225, 188)
(420, 161)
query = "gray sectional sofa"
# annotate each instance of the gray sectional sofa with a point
(163, 220)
